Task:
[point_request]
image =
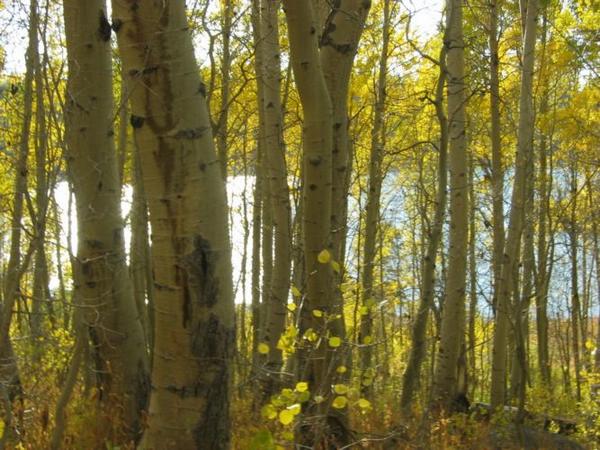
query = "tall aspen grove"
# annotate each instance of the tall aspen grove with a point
(299, 224)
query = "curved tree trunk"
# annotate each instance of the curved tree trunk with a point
(100, 271)
(191, 256)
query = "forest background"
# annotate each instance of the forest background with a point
(260, 224)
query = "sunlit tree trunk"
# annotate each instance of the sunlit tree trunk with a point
(317, 360)
(453, 314)
(194, 335)
(517, 212)
(341, 26)
(101, 275)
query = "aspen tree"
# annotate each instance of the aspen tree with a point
(453, 314)
(412, 373)
(373, 200)
(191, 256)
(517, 211)
(102, 281)
(276, 176)
(17, 263)
(496, 144)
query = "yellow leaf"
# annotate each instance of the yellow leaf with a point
(295, 409)
(319, 399)
(341, 369)
(296, 292)
(302, 386)
(317, 313)
(287, 435)
(340, 389)
(291, 307)
(335, 342)
(363, 403)
(286, 417)
(364, 310)
(268, 412)
(336, 266)
(263, 348)
(368, 340)
(339, 402)
(324, 257)
(311, 335)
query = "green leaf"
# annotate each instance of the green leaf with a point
(268, 412)
(262, 440)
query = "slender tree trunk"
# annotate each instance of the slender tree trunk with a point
(542, 249)
(194, 335)
(276, 176)
(257, 209)
(368, 308)
(100, 272)
(41, 292)
(597, 262)
(517, 212)
(139, 254)
(411, 377)
(9, 374)
(341, 26)
(222, 131)
(472, 343)
(453, 314)
(575, 299)
(496, 141)
(318, 361)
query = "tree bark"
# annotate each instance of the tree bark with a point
(373, 202)
(496, 143)
(517, 212)
(411, 377)
(453, 314)
(276, 176)
(101, 278)
(191, 257)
